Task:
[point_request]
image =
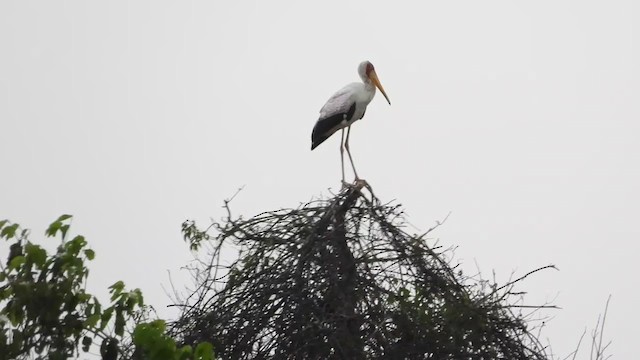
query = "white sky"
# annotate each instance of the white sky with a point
(522, 118)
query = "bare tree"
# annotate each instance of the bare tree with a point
(342, 279)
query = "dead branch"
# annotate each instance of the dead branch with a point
(341, 279)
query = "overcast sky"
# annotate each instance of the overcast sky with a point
(521, 118)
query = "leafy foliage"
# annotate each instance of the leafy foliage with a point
(46, 313)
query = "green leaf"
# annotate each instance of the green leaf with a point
(16, 316)
(16, 262)
(116, 289)
(84, 297)
(159, 324)
(5, 292)
(140, 297)
(63, 230)
(3, 223)
(64, 217)
(90, 254)
(92, 320)
(134, 298)
(204, 351)
(86, 343)
(146, 334)
(52, 230)
(184, 353)
(9, 231)
(58, 225)
(118, 286)
(76, 244)
(105, 317)
(35, 254)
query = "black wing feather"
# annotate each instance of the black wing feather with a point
(326, 127)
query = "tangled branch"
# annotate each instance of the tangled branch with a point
(341, 278)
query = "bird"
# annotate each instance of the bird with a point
(345, 107)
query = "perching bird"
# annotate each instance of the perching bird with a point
(346, 107)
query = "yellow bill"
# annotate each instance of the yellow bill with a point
(374, 77)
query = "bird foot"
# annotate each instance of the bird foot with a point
(361, 182)
(357, 184)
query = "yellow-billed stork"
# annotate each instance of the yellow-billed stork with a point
(345, 107)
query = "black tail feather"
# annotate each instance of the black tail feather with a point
(317, 140)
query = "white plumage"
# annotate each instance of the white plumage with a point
(342, 100)
(345, 107)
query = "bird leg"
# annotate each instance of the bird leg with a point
(342, 157)
(346, 145)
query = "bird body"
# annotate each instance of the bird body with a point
(354, 93)
(345, 107)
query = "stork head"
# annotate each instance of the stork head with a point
(368, 74)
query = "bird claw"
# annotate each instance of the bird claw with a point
(360, 182)
(357, 184)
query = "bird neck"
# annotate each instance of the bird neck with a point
(363, 76)
(368, 84)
